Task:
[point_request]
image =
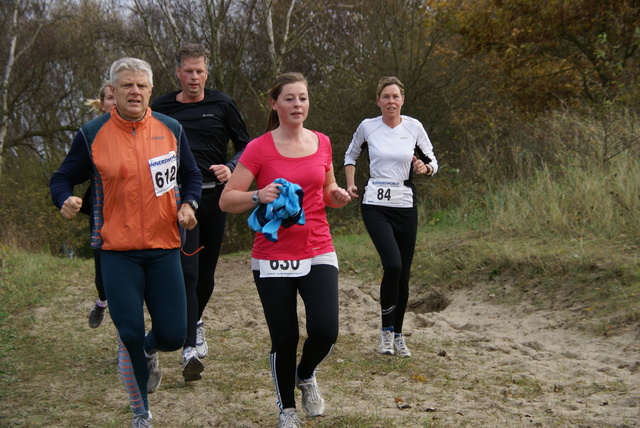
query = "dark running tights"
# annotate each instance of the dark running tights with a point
(319, 292)
(133, 279)
(96, 260)
(393, 232)
(199, 269)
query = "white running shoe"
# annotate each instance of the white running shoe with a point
(385, 343)
(155, 372)
(192, 367)
(400, 346)
(288, 419)
(201, 342)
(312, 401)
(142, 421)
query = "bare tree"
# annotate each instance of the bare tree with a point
(275, 53)
(296, 27)
(6, 76)
(4, 110)
(147, 19)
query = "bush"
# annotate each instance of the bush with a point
(28, 218)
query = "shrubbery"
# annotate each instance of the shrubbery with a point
(570, 173)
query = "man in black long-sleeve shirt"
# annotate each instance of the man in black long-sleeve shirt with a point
(211, 120)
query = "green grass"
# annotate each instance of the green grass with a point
(598, 276)
(559, 240)
(28, 279)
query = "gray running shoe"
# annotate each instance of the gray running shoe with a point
(201, 343)
(401, 347)
(97, 315)
(288, 419)
(312, 401)
(142, 421)
(192, 367)
(385, 343)
(155, 373)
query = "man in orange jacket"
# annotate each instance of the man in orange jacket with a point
(144, 185)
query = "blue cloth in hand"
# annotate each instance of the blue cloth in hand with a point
(286, 210)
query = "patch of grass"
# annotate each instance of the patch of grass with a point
(26, 282)
(366, 421)
(28, 279)
(595, 275)
(357, 255)
(599, 275)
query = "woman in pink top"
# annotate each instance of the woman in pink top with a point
(303, 259)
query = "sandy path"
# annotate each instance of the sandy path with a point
(474, 364)
(505, 365)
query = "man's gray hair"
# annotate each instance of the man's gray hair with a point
(134, 65)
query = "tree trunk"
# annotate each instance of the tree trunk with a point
(4, 88)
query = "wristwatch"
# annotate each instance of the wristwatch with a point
(255, 198)
(193, 203)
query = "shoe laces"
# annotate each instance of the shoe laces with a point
(288, 418)
(312, 392)
(153, 362)
(189, 352)
(387, 338)
(399, 342)
(140, 422)
(200, 334)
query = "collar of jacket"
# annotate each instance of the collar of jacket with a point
(128, 125)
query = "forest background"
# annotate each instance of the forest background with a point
(505, 89)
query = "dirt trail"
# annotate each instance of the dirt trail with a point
(520, 365)
(474, 364)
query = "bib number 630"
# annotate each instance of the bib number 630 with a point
(284, 268)
(284, 264)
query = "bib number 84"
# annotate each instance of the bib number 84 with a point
(384, 194)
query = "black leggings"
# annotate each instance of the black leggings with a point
(319, 292)
(199, 269)
(132, 280)
(393, 232)
(96, 255)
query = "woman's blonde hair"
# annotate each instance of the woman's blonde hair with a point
(94, 104)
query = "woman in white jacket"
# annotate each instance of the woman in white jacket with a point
(398, 146)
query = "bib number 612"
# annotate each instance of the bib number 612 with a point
(166, 176)
(164, 169)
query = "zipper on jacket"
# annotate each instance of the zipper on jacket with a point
(140, 195)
